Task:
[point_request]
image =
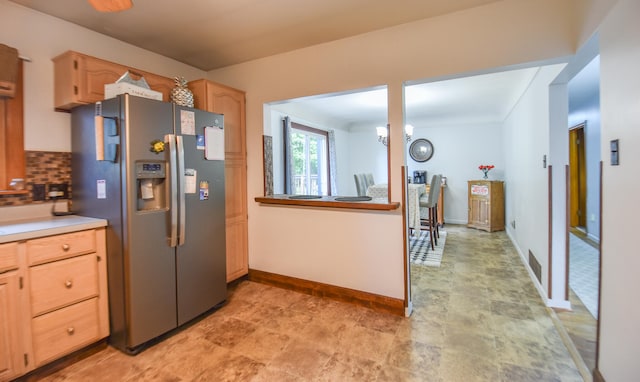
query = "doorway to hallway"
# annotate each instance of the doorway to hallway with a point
(577, 178)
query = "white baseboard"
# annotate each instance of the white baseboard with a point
(593, 237)
(409, 309)
(552, 303)
(454, 221)
(560, 304)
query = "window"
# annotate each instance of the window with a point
(310, 160)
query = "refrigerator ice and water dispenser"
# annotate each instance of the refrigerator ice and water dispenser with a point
(151, 185)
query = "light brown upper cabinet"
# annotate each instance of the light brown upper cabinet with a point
(79, 79)
(12, 158)
(225, 100)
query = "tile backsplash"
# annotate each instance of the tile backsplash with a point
(43, 167)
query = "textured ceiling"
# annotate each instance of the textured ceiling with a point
(210, 34)
(480, 99)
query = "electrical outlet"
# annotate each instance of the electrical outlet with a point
(58, 191)
(38, 192)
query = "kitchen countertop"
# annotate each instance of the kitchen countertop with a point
(46, 226)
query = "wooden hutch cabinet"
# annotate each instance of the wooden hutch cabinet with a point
(225, 100)
(486, 205)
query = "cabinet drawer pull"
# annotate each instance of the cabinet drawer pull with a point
(68, 284)
(70, 330)
(65, 247)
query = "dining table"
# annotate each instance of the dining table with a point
(380, 192)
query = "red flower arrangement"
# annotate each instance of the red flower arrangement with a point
(485, 169)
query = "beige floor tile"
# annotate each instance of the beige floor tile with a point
(365, 343)
(428, 331)
(262, 345)
(345, 367)
(414, 356)
(467, 367)
(302, 359)
(477, 317)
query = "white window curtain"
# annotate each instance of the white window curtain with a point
(288, 157)
(333, 163)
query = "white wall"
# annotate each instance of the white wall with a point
(41, 37)
(620, 112)
(526, 141)
(367, 155)
(496, 35)
(458, 151)
(330, 245)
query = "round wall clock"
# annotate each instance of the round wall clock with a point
(421, 150)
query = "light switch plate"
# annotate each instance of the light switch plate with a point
(615, 153)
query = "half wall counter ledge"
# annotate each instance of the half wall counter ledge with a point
(352, 202)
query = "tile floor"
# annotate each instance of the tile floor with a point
(476, 318)
(584, 270)
(579, 322)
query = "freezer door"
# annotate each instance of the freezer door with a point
(149, 265)
(201, 259)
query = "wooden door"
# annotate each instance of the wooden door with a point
(577, 177)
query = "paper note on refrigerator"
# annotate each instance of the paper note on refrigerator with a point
(187, 122)
(101, 188)
(214, 143)
(190, 181)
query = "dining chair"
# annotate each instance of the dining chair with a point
(363, 181)
(361, 185)
(430, 202)
(368, 177)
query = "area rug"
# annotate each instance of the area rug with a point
(420, 251)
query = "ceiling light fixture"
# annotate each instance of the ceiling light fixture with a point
(408, 132)
(383, 132)
(111, 5)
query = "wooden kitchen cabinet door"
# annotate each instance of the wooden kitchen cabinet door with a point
(11, 352)
(80, 79)
(230, 102)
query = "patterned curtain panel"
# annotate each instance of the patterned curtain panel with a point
(288, 157)
(267, 149)
(333, 163)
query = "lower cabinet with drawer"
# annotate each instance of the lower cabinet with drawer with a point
(11, 326)
(64, 306)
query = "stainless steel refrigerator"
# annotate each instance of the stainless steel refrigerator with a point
(155, 171)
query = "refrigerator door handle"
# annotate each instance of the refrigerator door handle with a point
(173, 173)
(181, 196)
